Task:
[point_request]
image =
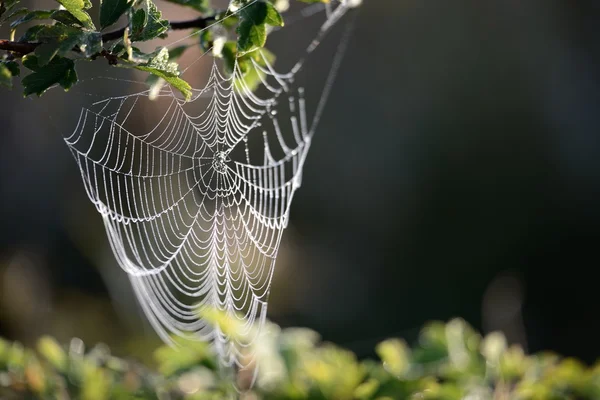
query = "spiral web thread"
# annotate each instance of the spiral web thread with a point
(195, 207)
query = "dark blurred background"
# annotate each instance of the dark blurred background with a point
(456, 172)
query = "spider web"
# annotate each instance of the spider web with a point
(195, 202)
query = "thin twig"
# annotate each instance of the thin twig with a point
(23, 48)
(200, 23)
(18, 47)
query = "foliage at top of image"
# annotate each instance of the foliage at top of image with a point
(48, 43)
(450, 362)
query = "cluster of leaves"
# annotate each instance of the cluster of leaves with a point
(450, 361)
(60, 37)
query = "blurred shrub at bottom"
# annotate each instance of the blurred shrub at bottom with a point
(450, 361)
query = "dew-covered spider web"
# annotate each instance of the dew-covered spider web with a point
(195, 195)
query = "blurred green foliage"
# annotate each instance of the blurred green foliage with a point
(450, 361)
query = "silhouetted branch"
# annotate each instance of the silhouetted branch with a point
(22, 48)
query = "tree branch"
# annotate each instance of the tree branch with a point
(200, 23)
(22, 48)
(17, 47)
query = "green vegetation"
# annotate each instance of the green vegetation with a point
(450, 361)
(54, 40)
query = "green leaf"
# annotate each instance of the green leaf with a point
(111, 11)
(174, 81)
(5, 75)
(58, 71)
(155, 82)
(159, 64)
(56, 39)
(147, 24)
(206, 40)
(31, 33)
(78, 9)
(6, 5)
(160, 60)
(155, 25)
(138, 22)
(229, 54)
(51, 350)
(367, 389)
(396, 356)
(90, 43)
(191, 354)
(10, 15)
(251, 36)
(16, 356)
(96, 382)
(251, 77)
(65, 17)
(273, 17)
(252, 30)
(230, 325)
(30, 16)
(61, 39)
(12, 66)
